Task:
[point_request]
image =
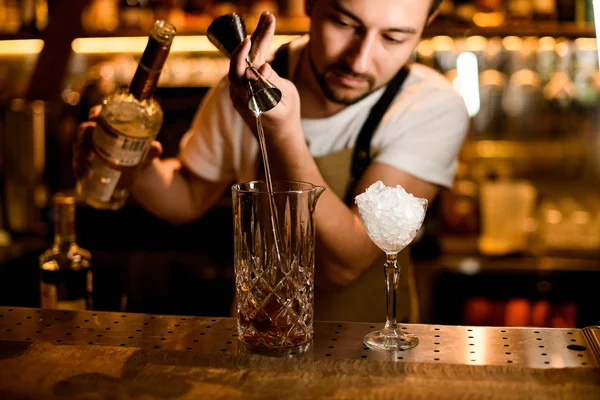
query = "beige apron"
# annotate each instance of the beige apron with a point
(364, 299)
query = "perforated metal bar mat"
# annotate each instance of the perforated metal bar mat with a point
(529, 347)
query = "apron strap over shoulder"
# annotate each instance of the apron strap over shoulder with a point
(362, 148)
(281, 61)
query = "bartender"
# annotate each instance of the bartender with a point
(354, 110)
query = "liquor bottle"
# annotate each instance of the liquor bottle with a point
(544, 10)
(519, 9)
(34, 15)
(584, 11)
(128, 123)
(489, 5)
(28, 15)
(65, 272)
(566, 10)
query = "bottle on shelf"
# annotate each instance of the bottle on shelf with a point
(519, 10)
(10, 16)
(581, 11)
(584, 11)
(490, 5)
(28, 15)
(464, 10)
(128, 123)
(490, 122)
(565, 10)
(585, 65)
(544, 10)
(523, 99)
(560, 92)
(546, 58)
(65, 271)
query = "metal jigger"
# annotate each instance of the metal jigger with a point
(226, 33)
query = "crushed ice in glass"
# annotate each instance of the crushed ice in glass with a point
(391, 216)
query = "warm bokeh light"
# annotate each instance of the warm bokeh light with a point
(24, 46)
(562, 48)
(468, 81)
(181, 44)
(425, 48)
(488, 19)
(476, 43)
(443, 43)
(512, 43)
(546, 43)
(587, 44)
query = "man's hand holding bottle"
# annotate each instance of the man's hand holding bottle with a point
(119, 137)
(84, 151)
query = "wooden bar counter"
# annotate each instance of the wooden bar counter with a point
(48, 354)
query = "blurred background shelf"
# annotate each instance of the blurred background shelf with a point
(456, 30)
(516, 241)
(519, 28)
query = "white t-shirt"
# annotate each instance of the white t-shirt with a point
(421, 133)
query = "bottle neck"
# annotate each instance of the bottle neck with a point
(64, 241)
(153, 59)
(64, 222)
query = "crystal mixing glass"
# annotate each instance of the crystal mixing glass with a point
(274, 296)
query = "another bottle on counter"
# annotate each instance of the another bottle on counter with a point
(65, 272)
(128, 123)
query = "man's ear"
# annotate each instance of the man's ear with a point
(432, 16)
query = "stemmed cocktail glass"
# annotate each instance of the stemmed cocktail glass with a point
(392, 218)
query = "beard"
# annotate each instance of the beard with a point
(337, 94)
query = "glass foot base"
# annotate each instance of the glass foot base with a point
(390, 340)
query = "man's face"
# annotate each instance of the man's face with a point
(357, 46)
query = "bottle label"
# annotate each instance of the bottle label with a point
(103, 182)
(117, 148)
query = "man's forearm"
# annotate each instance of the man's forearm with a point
(166, 190)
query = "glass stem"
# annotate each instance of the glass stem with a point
(392, 274)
